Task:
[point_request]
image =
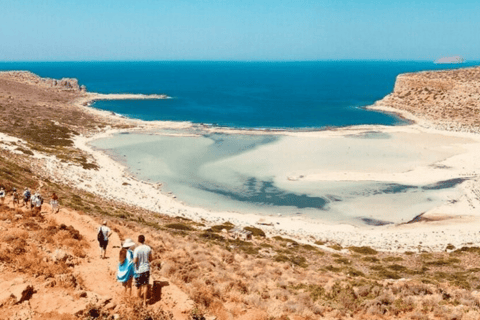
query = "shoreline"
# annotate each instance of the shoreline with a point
(447, 229)
(456, 222)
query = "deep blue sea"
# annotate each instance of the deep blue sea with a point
(242, 94)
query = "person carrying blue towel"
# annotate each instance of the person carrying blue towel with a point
(126, 266)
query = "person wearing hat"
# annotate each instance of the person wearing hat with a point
(126, 266)
(103, 233)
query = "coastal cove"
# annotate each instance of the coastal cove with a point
(293, 95)
(436, 166)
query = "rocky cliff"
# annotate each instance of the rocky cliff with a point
(449, 98)
(69, 84)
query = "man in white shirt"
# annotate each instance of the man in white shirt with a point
(103, 238)
(142, 256)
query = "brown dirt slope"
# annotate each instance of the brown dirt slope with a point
(51, 268)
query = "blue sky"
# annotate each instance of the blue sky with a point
(52, 30)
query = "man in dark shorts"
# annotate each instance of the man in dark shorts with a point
(26, 196)
(142, 256)
(103, 239)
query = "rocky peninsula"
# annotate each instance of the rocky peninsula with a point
(448, 98)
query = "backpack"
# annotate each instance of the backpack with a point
(100, 236)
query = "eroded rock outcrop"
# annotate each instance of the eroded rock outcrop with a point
(69, 84)
(449, 98)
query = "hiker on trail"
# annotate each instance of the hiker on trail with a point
(2, 195)
(54, 203)
(26, 196)
(38, 203)
(15, 198)
(33, 200)
(142, 256)
(102, 236)
(126, 267)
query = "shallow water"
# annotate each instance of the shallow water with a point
(248, 173)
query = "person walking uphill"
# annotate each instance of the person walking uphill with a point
(102, 236)
(142, 256)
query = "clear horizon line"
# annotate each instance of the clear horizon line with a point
(237, 61)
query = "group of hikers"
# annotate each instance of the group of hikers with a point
(134, 261)
(32, 201)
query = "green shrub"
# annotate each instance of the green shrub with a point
(363, 250)
(212, 236)
(441, 262)
(342, 261)
(179, 226)
(296, 260)
(370, 259)
(397, 267)
(336, 247)
(332, 268)
(218, 228)
(354, 273)
(281, 258)
(468, 249)
(278, 238)
(309, 247)
(255, 231)
(393, 259)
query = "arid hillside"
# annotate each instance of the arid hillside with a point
(51, 270)
(450, 98)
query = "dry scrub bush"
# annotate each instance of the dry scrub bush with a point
(13, 233)
(416, 289)
(253, 300)
(35, 264)
(218, 309)
(203, 294)
(79, 252)
(293, 307)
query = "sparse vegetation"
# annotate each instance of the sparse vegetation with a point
(179, 226)
(256, 232)
(363, 250)
(336, 247)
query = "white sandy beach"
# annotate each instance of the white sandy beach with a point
(432, 155)
(456, 220)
